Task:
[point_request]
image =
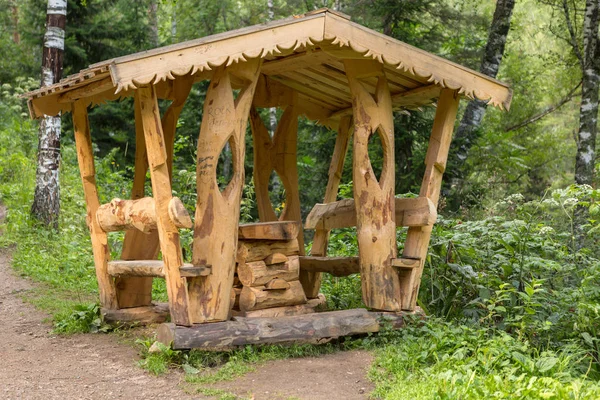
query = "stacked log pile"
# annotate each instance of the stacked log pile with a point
(268, 271)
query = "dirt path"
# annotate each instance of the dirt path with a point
(34, 364)
(37, 365)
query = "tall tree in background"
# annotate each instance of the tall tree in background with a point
(466, 134)
(589, 61)
(46, 201)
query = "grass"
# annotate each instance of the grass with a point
(432, 359)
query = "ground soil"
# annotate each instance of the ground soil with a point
(35, 364)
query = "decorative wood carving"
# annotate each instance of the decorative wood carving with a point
(217, 213)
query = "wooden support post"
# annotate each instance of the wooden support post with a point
(85, 157)
(279, 155)
(417, 240)
(312, 280)
(137, 291)
(161, 188)
(217, 213)
(375, 206)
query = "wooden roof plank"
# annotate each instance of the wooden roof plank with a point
(418, 62)
(406, 66)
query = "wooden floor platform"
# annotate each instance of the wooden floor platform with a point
(309, 328)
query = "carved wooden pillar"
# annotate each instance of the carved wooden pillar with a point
(217, 213)
(137, 291)
(321, 239)
(168, 233)
(374, 200)
(280, 155)
(85, 157)
(417, 240)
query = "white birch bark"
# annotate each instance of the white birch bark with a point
(588, 110)
(46, 202)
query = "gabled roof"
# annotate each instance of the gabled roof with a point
(301, 55)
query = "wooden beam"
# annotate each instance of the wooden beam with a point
(120, 215)
(417, 239)
(85, 158)
(91, 89)
(416, 62)
(276, 230)
(312, 279)
(414, 97)
(153, 268)
(374, 198)
(145, 315)
(217, 212)
(336, 266)
(161, 188)
(419, 211)
(137, 291)
(308, 328)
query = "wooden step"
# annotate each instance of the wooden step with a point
(153, 268)
(419, 211)
(278, 230)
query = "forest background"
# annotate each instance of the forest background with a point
(513, 298)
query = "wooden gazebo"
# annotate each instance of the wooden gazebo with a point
(319, 65)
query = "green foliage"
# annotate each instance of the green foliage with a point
(440, 360)
(83, 318)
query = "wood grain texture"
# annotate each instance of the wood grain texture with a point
(276, 230)
(417, 239)
(257, 250)
(374, 199)
(258, 273)
(309, 328)
(336, 266)
(153, 268)
(275, 258)
(312, 279)
(137, 291)
(418, 211)
(145, 315)
(311, 306)
(85, 158)
(257, 298)
(217, 213)
(161, 188)
(120, 215)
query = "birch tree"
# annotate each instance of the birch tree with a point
(589, 61)
(46, 201)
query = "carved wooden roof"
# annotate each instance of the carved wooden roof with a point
(302, 58)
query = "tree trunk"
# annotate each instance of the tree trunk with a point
(46, 201)
(153, 22)
(15, 20)
(585, 158)
(466, 133)
(588, 111)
